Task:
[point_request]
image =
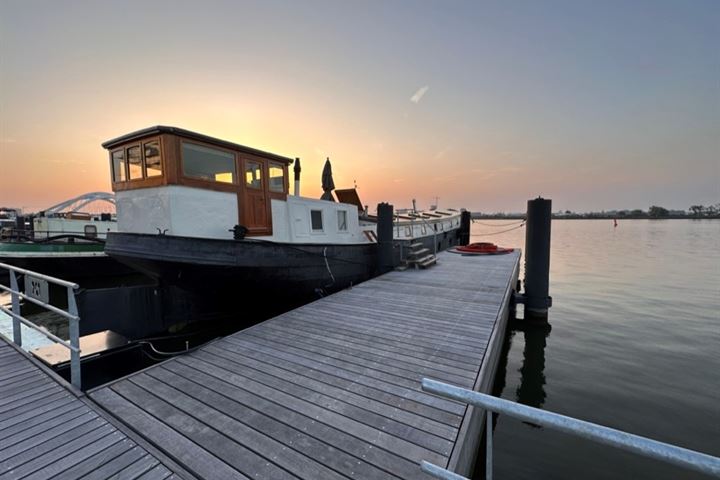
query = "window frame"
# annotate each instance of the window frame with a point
(261, 164)
(343, 213)
(282, 168)
(181, 166)
(127, 163)
(144, 158)
(124, 165)
(322, 221)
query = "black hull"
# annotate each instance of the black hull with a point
(246, 281)
(242, 279)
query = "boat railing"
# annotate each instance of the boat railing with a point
(424, 221)
(9, 233)
(36, 291)
(688, 459)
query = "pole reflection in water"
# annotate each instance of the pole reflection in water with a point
(531, 388)
(532, 373)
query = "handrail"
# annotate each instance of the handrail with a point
(57, 281)
(71, 314)
(40, 303)
(679, 456)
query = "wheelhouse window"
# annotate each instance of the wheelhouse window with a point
(277, 177)
(134, 158)
(153, 165)
(208, 163)
(316, 220)
(118, 166)
(253, 174)
(342, 221)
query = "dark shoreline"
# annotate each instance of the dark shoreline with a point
(592, 217)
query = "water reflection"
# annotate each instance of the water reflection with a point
(531, 390)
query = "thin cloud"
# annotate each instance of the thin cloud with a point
(419, 94)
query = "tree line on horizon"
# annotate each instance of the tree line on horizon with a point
(654, 212)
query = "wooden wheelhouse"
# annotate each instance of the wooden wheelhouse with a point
(164, 156)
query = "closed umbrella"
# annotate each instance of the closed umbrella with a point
(328, 185)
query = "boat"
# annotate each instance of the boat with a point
(66, 240)
(216, 220)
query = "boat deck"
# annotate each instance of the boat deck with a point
(47, 431)
(332, 389)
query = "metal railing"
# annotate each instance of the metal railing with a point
(71, 314)
(422, 221)
(682, 457)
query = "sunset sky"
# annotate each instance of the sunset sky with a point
(484, 104)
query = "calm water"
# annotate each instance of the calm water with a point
(634, 345)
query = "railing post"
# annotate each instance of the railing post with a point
(17, 333)
(488, 445)
(75, 375)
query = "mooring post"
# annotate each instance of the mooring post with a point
(464, 234)
(385, 237)
(537, 259)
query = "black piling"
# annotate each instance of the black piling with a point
(464, 233)
(537, 259)
(385, 237)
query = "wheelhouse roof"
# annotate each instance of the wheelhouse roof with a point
(181, 132)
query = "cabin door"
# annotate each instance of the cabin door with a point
(255, 204)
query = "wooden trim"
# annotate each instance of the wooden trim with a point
(170, 146)
(144, 182)
(171, 158)
(182, 133)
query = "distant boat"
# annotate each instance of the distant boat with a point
(64, 240)
(217, 219)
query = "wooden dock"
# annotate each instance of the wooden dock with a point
(49, 431)
(332, 390)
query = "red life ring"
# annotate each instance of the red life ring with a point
(483, 248)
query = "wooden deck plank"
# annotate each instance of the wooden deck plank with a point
(135, 469)
(36, 435)
(406, 342)
(331, 389)
(442, 427)
(363, 359)
(197, 460)
(156, 473)
(390, 348)
(54, 461)
(113, 468)
(91, 464)
(274, 420)
(221, 446)
(454, 335)
(257, 442)
(46, 430)
(379, 438)
(7, 409)
(36, 408)
(401, 386)
(39, 451)
(369, 413)
(37, 418)
(93, 445)
(227, 385)
(372, 353)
